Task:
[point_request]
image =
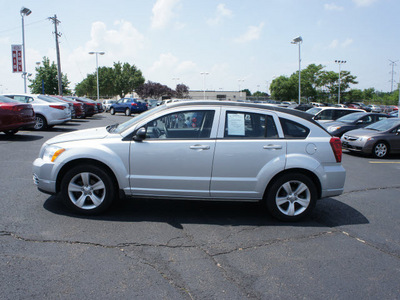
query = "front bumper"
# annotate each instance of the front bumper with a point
(43, 176)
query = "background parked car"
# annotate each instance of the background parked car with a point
(324, 114)
(378, 139)
(375, 108)
(107, 104)
(15, 116)
(78, 106)
(89, 106)
(128, 106)
(46, 114)
(352, 121)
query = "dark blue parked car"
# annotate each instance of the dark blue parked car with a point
(128, 106)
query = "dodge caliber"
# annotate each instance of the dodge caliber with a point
(197, 150)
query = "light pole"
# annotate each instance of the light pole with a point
(24, 12)
(240, 92)
(204, 83)
(339, 62)
(298, 41)
(97, 68)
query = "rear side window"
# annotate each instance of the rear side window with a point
(293, 130)
(249, 126)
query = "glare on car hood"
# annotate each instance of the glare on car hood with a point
(85, 134)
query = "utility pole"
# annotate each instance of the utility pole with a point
(56, 22)
(392, 63)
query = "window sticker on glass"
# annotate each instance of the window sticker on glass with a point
(236, 124)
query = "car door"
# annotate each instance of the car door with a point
(175, 158)
(250, 148)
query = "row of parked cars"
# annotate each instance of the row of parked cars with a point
(39, 112)
(361, 131)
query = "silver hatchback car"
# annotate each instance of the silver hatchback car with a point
(197, 150)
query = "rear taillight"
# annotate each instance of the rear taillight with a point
(58, 107)
(336, 145)
(134, 104)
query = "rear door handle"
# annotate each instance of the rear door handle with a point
(273, 147)
(200, 147)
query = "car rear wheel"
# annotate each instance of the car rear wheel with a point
(87, 189)
(381, 150)
(112, 110)
(291, 197)
(41, 123)
(127, 112)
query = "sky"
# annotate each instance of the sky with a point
(240, 44)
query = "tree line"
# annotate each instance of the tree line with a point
(317, 84)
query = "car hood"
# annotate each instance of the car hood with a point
(85, 134)
(362, 132)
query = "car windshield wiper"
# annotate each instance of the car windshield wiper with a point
(111, 128)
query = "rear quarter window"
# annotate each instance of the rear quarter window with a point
(293, 130)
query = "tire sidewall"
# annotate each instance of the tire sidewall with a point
(110, 189)
(274, 188)
(44, 122)
(112, 111)
(127, 112)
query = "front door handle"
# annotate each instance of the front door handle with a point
(200, 147)
(273, 147)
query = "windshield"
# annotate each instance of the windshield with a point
(313, 110)
(384, 125)
(350, 118)
(124, 126)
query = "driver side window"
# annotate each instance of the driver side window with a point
(181, 125)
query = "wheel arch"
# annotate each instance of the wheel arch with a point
(82, 161)
(314, 178)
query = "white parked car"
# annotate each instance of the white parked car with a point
(328, 113)
(204, 150)
(375, 108)
(47, 114)
(107, 104)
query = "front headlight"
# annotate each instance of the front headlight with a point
(51, 153)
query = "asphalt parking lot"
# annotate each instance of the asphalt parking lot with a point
(348, 249)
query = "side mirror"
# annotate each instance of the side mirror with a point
(140, 134)
(398, 131)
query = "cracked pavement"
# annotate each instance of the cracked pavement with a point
(142, 249)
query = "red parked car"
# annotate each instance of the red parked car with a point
(15, 115)
(78, 106)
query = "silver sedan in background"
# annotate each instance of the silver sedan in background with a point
(379, 139)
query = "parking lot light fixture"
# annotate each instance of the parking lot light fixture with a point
(204, 83)
(339, 62)
(97, 68)
(298, 40)
(24, 12)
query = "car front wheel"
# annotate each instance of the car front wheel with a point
(381, 150)
(112, 110)
(291, 197)
(87, 189)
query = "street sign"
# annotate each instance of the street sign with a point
(16, 54)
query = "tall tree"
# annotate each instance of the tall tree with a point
(120, 80)
(46, 79)
(154, 90)
(181, 91)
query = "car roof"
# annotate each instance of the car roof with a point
(294, 112)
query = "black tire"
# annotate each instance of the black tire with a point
(87, 189)
(380, 150)
(112, 110)
(41, 123)
(291, 197)
(127, 112)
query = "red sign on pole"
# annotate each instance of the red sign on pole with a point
(16, 54)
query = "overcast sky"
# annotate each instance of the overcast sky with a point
(239, 43)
